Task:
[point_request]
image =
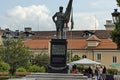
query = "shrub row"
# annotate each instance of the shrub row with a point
(4, 67)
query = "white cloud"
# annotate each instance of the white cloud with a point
(33, 16)
(85, 21)
(29, 12)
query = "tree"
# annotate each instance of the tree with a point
(41, 59)
(15, 54)
(118, 2)
(115, 35)
(75, 57)
(1, 52)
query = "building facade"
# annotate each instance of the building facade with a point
(95, 45)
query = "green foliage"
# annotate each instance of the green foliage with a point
(36, 68)
(80, 68)
(112, 71)
(15, 54)
(118, 2)
(1, 52)
(115, 35)
(41, 59)
(75, 57)
(118, 72)
(69, 56)
(4, 67)
(42, 69)
(21, 69)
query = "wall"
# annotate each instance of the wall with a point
(106, 55)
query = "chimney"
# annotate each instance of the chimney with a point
(108, 22)
(28, 29)
(109, 25)
(16, 34)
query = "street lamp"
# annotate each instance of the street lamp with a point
(116, 16)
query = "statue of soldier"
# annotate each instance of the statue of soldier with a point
(61, 18)
(59, 21)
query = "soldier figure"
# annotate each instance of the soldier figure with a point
(61, 18)
(59, 21)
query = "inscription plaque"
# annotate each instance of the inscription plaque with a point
(58, 49)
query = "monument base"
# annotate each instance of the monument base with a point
(58, 51)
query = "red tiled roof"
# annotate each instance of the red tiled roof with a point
(77, 44)
(75, 34)
(37, 44)
(107, 44)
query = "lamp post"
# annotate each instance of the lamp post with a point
(116, 16)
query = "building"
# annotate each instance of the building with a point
(93, 44)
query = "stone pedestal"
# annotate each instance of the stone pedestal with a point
(58, 51)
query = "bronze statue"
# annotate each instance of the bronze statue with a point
(61, 18)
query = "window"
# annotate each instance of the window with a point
(98, 56)
(114, 59)
(87, 34)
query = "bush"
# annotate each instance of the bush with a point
(36, 68)
(4, 67)
(42, 69)
(41, 60)
(21, 69)
(112, 71)
(80, 68)
(75, 57)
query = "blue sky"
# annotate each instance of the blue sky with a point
(17, 14)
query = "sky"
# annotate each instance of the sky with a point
(37, 14)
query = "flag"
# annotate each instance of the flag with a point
(66, 25)
(68, 11)
(72, 22)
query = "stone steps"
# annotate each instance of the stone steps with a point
(56, 76)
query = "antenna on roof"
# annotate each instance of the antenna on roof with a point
(95, 24)
(38, 22)
(95, 21)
